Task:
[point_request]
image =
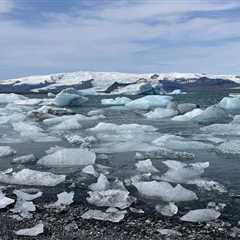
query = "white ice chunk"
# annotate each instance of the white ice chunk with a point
(32, 232)
(69, 97)
(9, 98)
(111, 198)
(146, 166)
(25, 195)
(165, 191)
(231, 147)
(168, 210)
(149, 101)
(5, 201)
(68, 124)
(231, 104)
(32, 177)
(25, 159)
(188, 116)
(64, 199)
(212, 114)
(24, 208)
(116, 101)
(180, 143)
(160, 113)
(201, 215)
(111, 214)
(69, 157)
(90, 170)
(102, 184)
(6, 151)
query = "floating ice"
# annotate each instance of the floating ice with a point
(169, 232)
(168, 210)
(146, 166)
(5, 201)
(212, 114)
(180, 172)
(24, 208)
(201, 215)
(102, 184)
(231, 104)
(189, 115)
(165, 191)
(160, 113)
(32, 177)
(111, 214)
(111, 198)
(69, 97)
(6, 151)
(231, 147)
(11, 117)
(25, 159)
(116, 101)
(68, 124)
(90, 170)
(27, 194)
(68, 157)
(64, 199)
(9, 98)
(179, 143)
(230, 129)
(176, 92)
(150, 101)
(186, 107)
(32, 232)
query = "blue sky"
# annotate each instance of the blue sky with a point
(47, 36)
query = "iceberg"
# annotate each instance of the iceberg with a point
(189, 115)
(150, 101)
(165, 191)
(168, 210)
(25, 159)
(6, 151)
(32, 177)
(111, 215)
(160, 113)
(32, 232)
(231, 104)
(146, 166)
(5, 201)
(68, 157)
(64, 199)
(111, 198)
(212, 114)
(90, 170)
(116, 101)
(201, 215)
(68, 124)
(69, 97)
(102, 184)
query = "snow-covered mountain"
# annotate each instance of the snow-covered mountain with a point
(101, 81)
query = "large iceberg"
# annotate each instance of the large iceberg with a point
(150, 101)
(69, 97)
(165, 191)
(231, 104)
(68, 157)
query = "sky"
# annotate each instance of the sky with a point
(49, 36)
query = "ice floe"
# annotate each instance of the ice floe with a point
(6, 151)
(32, 177)
(31, 232)
(69, 97)
(168, 210)
(68, 157)
(111, 214)
(5, 201)
(201, 215)
(116, 101)
(90, 170)
(102, 184)
(64, 199)
(150, 101)
(165, 191)
(160, 113)
(188, 115)
(146, 166)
